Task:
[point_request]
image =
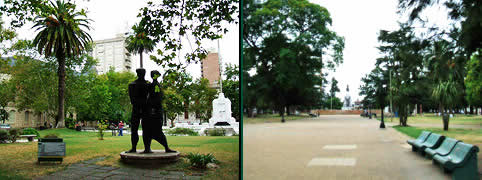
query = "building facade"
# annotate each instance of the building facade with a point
(210, 69)
(112, 53)
(27, 118)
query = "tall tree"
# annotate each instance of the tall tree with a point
(334, 87)
(473, 80)
(139, 42)
(284, 41)
(403, 55)
(231, 88)
(169, 22)
(61, 35)
(467, 14)
(202, 97)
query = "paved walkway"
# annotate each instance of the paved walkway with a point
(89, 170)
(332, 147)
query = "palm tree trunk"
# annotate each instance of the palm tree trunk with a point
(61, 74)
(142, 65)
(445, 118)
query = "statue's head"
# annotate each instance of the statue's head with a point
(141, 72)
(155, 74)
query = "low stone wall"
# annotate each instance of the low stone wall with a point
(343, 112)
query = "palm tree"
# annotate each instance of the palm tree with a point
(61, 37)
(445, 93)
(139, 42)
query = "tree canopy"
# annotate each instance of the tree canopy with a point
(284, 42)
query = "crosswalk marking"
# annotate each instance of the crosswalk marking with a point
(340, 147)
(332, 162)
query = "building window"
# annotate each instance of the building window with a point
(11, 116)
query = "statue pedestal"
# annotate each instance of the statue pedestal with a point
(221, 117)
(157, 157)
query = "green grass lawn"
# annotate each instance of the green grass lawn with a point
(433, 119)
(20, 159)
(271, 118)
(471, 136)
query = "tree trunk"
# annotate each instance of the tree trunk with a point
(61, 74)
(288, 113)
(142, 65)
(471, 110)
(382, 125)
(281, 111)
(446, 118)
(250, 112)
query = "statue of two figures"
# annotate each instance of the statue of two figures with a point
(146, 100)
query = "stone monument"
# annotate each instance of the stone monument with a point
(221, 115)
(347, 100)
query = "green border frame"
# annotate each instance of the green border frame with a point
(241, 89)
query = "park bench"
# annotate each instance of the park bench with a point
(433, 141)
(88, 128)
(461, 161)
(422, 138)
(447, 145)
(29, 137)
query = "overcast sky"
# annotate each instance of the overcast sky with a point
(111, 17)
(359, 23)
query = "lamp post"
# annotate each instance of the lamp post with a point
(382, 124)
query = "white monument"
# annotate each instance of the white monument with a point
(347, 100)
(221, 115)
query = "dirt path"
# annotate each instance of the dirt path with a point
(331, 147)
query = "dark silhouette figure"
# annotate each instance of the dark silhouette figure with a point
(153, 117)
(138, 96)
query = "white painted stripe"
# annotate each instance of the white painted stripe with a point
(387, 140)
(340, 147)
(332, 162)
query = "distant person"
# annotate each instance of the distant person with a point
(113, 128)
(121, 126)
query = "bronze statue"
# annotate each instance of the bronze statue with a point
(138, 96)
(153, 116)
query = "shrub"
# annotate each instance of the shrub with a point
(70, 123)
(186, 131)
(201, 160)
(3, 136)
(215, 132)
(13, 135)
(28, 131)
(102, 125)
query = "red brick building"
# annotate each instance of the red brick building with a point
(210, 69)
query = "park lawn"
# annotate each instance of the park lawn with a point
(20, 159)
(434, 119)
(471, 136)
(272, 118)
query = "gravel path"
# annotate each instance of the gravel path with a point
(332, 147)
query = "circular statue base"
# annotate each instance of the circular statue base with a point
(156, 157)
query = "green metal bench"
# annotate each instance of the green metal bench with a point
(422, 138)
(433, 141)
(461, 161)
(444, 149)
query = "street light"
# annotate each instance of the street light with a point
(382, 124)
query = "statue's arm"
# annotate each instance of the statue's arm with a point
(130, 89)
